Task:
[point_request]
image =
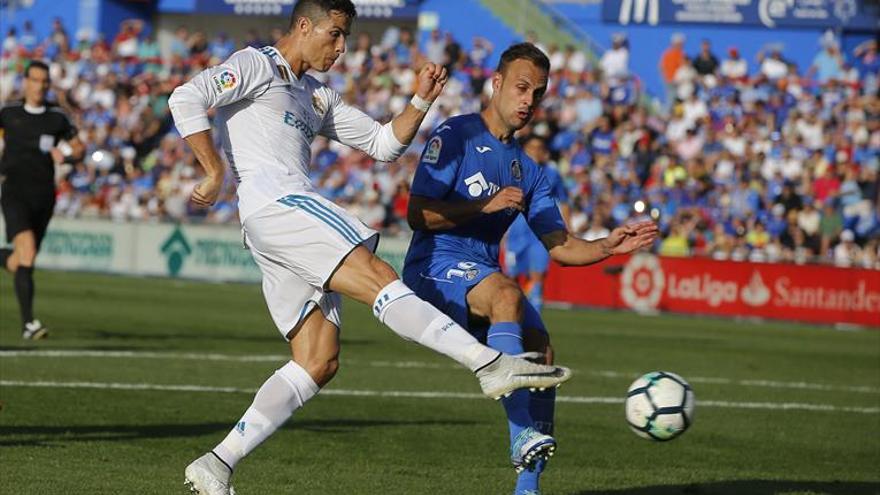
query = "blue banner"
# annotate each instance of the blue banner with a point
(835, 14)
(383, 9)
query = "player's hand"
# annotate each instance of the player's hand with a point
(432, 78)
(509, 197)
(207, 191)
(57, 156)
(629, 238)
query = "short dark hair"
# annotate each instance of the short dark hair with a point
(526, 51)
(533, 137)
(315, 9)
(39, 64)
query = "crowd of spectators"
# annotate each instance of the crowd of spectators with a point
(761, 161)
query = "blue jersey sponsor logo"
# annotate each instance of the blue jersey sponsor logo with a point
(292, 120)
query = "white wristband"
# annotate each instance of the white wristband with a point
(420, 103)
(65, 149)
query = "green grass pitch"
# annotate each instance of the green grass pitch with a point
(142, 375)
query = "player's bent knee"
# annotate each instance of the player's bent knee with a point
(507, 303)
(27, 259)
(322, 370)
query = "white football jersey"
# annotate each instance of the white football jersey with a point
(267, 119)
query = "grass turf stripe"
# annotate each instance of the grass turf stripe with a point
(406, 394)
(197, 356)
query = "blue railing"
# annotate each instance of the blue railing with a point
(595, 49)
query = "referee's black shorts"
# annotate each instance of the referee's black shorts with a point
(22, 214)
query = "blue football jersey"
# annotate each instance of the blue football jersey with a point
(463, 161)
(520, 235)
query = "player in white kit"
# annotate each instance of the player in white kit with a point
(309, 250)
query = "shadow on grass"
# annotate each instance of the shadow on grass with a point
(49, 436)
(751, 487)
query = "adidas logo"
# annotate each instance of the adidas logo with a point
(240, 427)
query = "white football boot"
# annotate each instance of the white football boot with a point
(208, 475)
(507, 373)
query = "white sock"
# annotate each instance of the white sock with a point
(284, 392)
(415, 319)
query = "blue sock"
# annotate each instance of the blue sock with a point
(541, 407)
(536, 295)
(528, 480)
(507, 338)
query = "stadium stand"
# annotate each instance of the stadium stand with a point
(756, 159)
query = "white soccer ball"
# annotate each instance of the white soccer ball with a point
(659, 406)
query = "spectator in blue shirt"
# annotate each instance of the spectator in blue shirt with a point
(828, 63)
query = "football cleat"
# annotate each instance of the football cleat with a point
(529, 447)
(208, 475)
(506, 373)
(535, 357)
(34, 330)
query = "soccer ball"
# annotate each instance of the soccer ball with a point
(659, 406)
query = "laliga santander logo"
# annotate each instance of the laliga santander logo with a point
(224, 81)
(755, 293)
(642, 282)
(227, 79)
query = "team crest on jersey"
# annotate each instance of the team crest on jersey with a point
(470, 272)
(224, 81)
(317, 104)
(516, 170)
(432, 151)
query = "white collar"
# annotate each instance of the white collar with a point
(34, 110)
(275, 55)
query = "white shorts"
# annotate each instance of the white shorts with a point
(298, 242)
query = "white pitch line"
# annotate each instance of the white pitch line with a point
(198, 356)
(405, 394)
(184, 356)
(865, 389)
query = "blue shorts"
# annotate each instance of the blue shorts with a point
(445, 284)
(529, 258)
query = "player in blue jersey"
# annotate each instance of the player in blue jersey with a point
(524, 254)
(473, 180)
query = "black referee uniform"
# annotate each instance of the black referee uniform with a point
(27, 196)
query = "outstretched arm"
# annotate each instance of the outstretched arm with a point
(566, 249)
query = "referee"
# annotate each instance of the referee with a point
(37, 136)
